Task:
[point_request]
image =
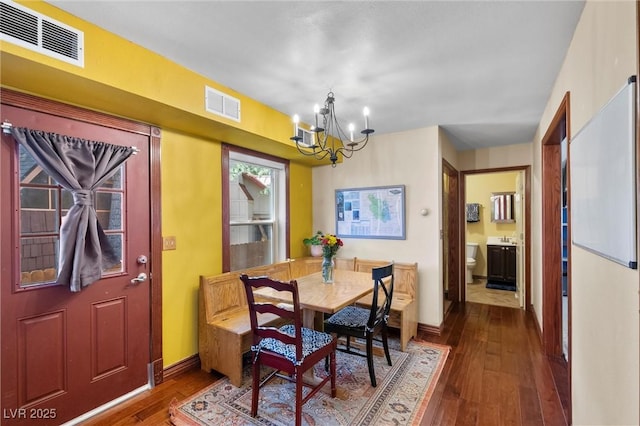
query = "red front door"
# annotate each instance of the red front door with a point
(63, 353)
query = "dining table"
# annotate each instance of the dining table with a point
(317, 297)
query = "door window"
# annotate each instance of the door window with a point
(43, 206)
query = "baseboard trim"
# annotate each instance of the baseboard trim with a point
(187, 364)
(430, 329)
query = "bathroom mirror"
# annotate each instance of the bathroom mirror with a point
(502, 207)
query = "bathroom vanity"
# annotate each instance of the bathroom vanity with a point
(501, 264)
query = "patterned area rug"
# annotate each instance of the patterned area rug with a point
(400, 398)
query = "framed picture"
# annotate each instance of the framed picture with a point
(375, 212)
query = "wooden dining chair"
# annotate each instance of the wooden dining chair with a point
(366, 323)
(290, 349)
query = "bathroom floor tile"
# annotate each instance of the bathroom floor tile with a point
(478, 293)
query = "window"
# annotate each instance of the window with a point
(43, 206)
(254, 209)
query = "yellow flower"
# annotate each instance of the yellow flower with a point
(330, 244)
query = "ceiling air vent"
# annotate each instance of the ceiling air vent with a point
(307, 138)
(34, 31)
(221, 104)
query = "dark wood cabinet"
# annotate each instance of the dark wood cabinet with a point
(495, 263)
(501, 264)
(510, 264)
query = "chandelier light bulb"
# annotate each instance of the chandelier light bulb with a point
(316, 110)
(351, 129)
(296, 120)
(365, 112)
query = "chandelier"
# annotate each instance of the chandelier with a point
(328, 137)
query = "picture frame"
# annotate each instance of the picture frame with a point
(376, 212)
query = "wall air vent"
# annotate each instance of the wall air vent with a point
(221, 104)
(34, 31)
(307, 138)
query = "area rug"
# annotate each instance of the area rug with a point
(401, 397)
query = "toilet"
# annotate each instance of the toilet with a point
(472, 250)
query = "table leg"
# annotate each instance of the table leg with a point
(308, 318)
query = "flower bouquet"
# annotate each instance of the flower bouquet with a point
(330, 246)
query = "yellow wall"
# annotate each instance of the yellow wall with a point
(301, 208)
(191, 200)
(478, 189)
(123, 79)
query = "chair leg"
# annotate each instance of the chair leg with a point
(386, 344)
(332, 357)
(299, 379)
(255, 391)
(372, 373)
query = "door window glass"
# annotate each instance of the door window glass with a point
(43, 206)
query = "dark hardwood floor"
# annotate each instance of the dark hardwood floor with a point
(496, 374)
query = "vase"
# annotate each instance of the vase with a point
(316, 250)
(328, 266)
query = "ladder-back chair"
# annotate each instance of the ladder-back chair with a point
(292, 348)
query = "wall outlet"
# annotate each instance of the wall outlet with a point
(168, 243)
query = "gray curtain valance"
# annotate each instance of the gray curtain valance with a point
(79, 166)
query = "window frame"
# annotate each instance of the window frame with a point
(227, 150)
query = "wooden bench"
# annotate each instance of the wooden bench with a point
(308, 265)
(304, 266)
(404, 306)
(224, 329)
(346, 263)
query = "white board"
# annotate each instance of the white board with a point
(602, 166)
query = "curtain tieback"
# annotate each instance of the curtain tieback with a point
(83, 197)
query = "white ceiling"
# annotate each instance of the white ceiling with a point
(483, 70)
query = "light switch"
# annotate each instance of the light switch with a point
(169, 243)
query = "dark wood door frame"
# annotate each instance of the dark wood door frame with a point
(552, 230)
(558, 130)
(527, 225)
(454, 253)
(26, 101)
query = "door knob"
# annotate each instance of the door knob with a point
(142, 277)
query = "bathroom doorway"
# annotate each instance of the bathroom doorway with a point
(495, 231)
